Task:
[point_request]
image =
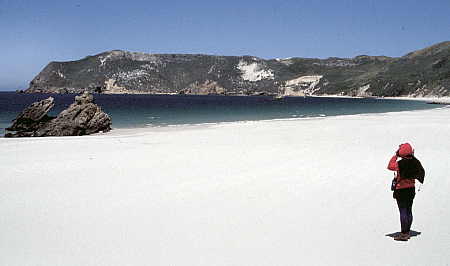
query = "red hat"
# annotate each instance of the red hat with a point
(405, 150)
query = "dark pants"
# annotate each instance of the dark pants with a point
(405, 199)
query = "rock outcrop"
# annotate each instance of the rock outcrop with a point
(32, 118)
(83, 117)
(421, 73)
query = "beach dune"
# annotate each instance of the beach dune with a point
(282, 192)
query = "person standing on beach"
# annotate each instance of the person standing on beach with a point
(407, 169)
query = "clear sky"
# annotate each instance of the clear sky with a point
(35, 32)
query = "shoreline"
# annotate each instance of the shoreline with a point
(180, 127)
(145, 128)
(445, 99)
(136, 131)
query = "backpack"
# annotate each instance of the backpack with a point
(411, 168)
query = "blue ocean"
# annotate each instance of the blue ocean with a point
(137, 111)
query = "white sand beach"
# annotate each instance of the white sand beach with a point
(285, 192)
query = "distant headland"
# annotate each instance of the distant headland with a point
(422, 73)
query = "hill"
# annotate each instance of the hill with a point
(425, 72)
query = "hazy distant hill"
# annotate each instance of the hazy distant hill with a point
(424, 72)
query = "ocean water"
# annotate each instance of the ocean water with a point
(131, 111)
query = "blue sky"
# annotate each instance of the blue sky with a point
(34, 33)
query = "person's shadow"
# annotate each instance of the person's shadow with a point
(412, 233)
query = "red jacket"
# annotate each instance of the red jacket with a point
(401, 183)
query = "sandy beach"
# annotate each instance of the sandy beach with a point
(285, 192)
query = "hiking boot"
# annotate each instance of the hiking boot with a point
(408, 235)
(402, 237)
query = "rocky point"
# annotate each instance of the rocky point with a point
(83, 117)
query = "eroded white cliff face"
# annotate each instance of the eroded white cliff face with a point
(302, 85)
(312, 80)
(112, 87)
(362, 91)
(254, 71)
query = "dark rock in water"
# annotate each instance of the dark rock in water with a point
(33, 116)
(81, 118)
(439, 102)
